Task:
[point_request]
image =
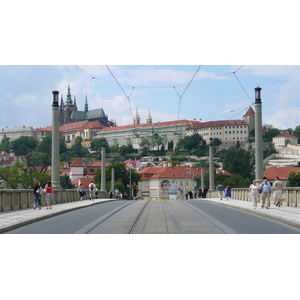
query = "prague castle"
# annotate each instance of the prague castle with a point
(68, 113)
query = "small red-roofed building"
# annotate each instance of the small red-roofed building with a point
(281, 172)
(167, 182)
(284, 138)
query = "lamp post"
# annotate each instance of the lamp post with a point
(112, 178)
(55, 142)
(103, 144)
(211, 165)
(202, 175)
(259, 173)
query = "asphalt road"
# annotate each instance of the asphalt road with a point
(238, 221)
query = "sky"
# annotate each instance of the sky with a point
(171, 92)
(153, 46)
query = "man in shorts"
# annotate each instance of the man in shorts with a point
(92, 188)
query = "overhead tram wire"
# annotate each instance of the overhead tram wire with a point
(234, 73)
(122, 91)
(185, 91)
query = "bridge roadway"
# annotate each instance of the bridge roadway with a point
(153, 216)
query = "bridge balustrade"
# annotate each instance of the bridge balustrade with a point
(23, 198)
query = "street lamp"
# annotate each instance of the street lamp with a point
(259, 173)
(55, 142)
(112, 178)
(103, 144)
(211, 165)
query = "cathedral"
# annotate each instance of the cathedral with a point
(68, 113)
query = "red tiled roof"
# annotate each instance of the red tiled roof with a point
(84, 180)
(77, 163)
(250, 112)
(285, 133)
(73, 126)
(281, 172)
(217, 124)
(168, 172)
(159, 124)
(93, 124)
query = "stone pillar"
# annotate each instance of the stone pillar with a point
(103, 188)
(211, 166)
(55, 142)
(259, 171)
(202, 175)
(112, 178)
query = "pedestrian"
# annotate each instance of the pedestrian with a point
(37, 193)
(81, 191)
(110, 194)
(278, 190)
(220, 189)
(204, 192)
(266, 190)
(253, 189)
(92, 190)
(228, 192)
(49, 194)
(200, 193)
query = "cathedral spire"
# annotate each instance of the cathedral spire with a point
(86, 108)
(69, 98)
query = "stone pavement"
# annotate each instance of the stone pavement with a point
(283, 214)
(16, 218)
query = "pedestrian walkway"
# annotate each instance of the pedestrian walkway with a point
(16, 218)
(283, 214)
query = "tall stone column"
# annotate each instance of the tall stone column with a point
(202, 175)
(103, 188)
(211, 166)
(259, 172)
(112, 178)
(55, 142)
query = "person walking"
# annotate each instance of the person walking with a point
(49, 194)
(92, 190)
(228, 192)
(253, 189)
(81, 191)
(37, 193)
(220, 189)
(266, 190)
(278, 190)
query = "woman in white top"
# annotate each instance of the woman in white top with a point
(253, 189)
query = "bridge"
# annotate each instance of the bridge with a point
(154, 217)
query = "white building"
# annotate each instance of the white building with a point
(284, 137)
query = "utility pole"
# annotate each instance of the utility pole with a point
(211, 166)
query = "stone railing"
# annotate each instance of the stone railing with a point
(19, 199)
(291, 196)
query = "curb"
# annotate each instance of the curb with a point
(261, 214)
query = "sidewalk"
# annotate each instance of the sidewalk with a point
(16, 218)
(283, 214)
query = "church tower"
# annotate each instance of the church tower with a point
(66, 109)
(86, 108)
(149, 119)
(136, 119)
(249, 118)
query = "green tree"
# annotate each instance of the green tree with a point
(66, 183)
(239, 161)
(5, 144)
(294, 179)
(24, 145)
(79, 150)
(296, 132)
